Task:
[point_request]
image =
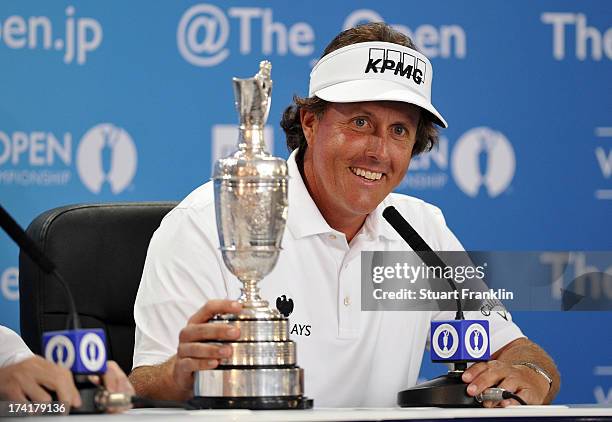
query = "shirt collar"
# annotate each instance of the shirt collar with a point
(376, 225)
(304, 217)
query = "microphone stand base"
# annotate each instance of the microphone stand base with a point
(444, 391)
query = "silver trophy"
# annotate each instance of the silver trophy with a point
(251, 209)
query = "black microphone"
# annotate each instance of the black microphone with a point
(95, 399)
(418, 245)
(26, 244)
(448, 390)
(12, 228)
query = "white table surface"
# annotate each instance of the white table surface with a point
(137, 415)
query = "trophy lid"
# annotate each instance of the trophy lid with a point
(253, 96)
(251, 161)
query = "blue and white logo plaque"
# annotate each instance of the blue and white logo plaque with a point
(456, 341)
(82, 351)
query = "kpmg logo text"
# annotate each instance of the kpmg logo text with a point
(82, 35)
(204, 31)
(401, 64)
(106, 159)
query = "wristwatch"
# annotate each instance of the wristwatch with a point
(538, 369)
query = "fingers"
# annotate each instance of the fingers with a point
(509, 402)
(94, 379)
(191, 365)
(32, 390)
(204, 351)
(115, 379)
(185, 367)
(526, 384)
(193, 355)
(517, 380)
(13, 394)
(487, 374)
(199, 332)
(60, 380)
(510, 383)
(213, 307)
(35, 373)
(473, 371)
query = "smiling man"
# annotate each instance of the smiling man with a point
(368, 113)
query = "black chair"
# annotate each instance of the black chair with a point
(100, 250)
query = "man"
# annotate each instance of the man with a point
(27, 377)
(352, 141)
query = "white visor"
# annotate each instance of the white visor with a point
(375, 71)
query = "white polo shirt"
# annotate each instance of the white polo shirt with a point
(12, 348)
(350, 358)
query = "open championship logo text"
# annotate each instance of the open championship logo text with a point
(106, 159)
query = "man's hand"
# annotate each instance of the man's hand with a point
(518, 379)
(193, 355)
(115, 381)
(173, 379)
(27, 381)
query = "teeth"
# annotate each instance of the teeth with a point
(370, 175)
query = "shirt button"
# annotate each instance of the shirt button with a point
(332, 237)
(347, 301)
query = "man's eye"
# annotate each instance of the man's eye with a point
(360, 122)
(399, 130)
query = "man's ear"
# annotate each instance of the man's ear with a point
(310, 124)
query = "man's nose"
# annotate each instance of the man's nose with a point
(377, 147)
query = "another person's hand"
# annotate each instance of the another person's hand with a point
(32, 380)
(193, 355)
(518, 379)
(115, 381)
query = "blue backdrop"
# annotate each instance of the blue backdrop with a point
(121, 101)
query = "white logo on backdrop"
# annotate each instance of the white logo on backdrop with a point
(76, 37)
(603, 153)
(60, 350)
(483, 157)
(106, 154)
(225, 141)
(9, 283)
(92, 352)
(444, 41)
(601, 396)
(587, 42)
(209, 21)
(204, 29)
